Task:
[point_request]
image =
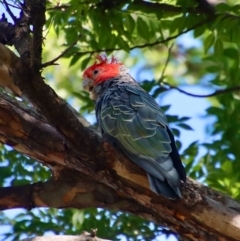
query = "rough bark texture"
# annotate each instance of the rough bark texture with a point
(86, 171)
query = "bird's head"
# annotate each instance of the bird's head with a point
(102, 70)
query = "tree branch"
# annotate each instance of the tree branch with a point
(166, 64)
(70, 190)
(38, 10)
(11, 5)
(112, 180)
(202, 7)
(9, 10)
(149, 44)
(52, 62)
(85, 236)
(215, 93)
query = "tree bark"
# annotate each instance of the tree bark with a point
(106, 179)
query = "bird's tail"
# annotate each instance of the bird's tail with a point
(163, 187)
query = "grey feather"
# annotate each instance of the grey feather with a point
(139, 127)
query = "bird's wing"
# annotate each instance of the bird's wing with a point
(134, 119)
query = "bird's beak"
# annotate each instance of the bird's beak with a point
(87, 84)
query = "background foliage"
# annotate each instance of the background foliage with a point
(144, 35)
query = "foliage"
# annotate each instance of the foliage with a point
(141, 33)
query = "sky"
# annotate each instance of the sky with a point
(182, 105)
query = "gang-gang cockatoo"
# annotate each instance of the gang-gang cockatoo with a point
(132, 119)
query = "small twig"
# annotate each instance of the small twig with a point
(52, 62)
(11, 5)
(9, 11)
(166, 63)
(217, 92)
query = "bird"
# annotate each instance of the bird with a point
(131, 120)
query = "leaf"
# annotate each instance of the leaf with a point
(223, 25)
(178, 144)
(191, 150)
(78, 219)
(227, 166)
(235, 36)
(231, 53)
(74, 60)
(122, 44)
(185, 118)
(214, 110)
(222, 7)
(175, 132)
(130, 23)
(158, 91)
(85, 62)
(185, 126)
(148, 85)
(142, 28)
(176, 24)
(208, 43)
(165, 108)
(199, 31)
(218, 47)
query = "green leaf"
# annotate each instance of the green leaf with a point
(176, 24)
(85, 62)
(231, 53)
(227, 167)
(208, 43)
(235, 36)
(165, 108)
(185, 118)
(74, 60)
(130, 23)
(142, 28)
(222, 7)
(218, 47)
(185, 126)
(175, 132)
(199, 31)
(123, 44)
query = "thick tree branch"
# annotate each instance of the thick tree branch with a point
(70, 190)
(111, 174)
(38, 10)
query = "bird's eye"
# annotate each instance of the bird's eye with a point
(95, 72)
